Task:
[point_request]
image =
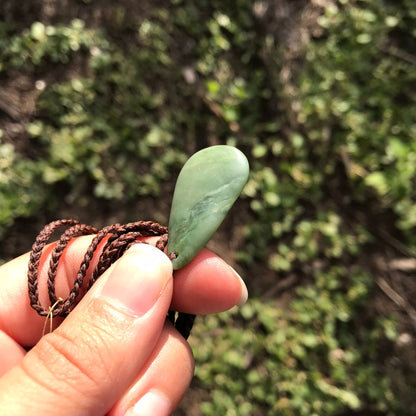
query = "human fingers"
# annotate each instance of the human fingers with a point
(206, 285)
(163, 380)
(91, 359)
(11, 353)
(17, 318)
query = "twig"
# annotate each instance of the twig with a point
(9, 108)
(396, 298)
(217, 111)
(395, 243)
(280, 286)
(398, 53)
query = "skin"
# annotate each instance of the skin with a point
(115, 346)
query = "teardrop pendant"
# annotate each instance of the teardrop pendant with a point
(207, 187)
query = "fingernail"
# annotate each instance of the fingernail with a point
(138, 279)
(244, 291)
(153, 403)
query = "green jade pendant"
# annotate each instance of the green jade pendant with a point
(207, 187)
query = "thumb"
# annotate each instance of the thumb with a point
(89, 361)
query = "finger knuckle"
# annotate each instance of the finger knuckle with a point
(62, 365)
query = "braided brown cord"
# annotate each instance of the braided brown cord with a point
(34, 260)
(76, 230)
(119, 238)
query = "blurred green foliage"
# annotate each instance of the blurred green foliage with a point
(330, 132)
(307, 361)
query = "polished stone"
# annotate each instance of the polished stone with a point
(207, 186)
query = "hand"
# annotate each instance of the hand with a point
(115, 354)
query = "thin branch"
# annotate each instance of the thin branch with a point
(396, 298)
(398, 53)
(280, 286)
(395, 243)
(217, 111)
(9, 108)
